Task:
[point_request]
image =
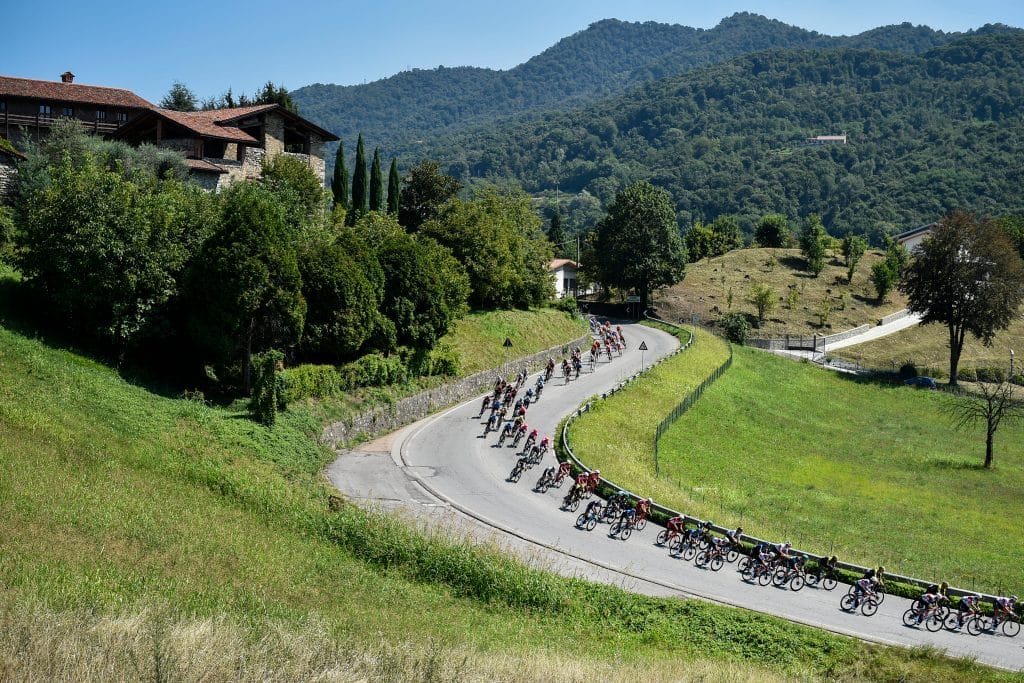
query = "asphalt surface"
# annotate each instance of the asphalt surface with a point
(442, 471)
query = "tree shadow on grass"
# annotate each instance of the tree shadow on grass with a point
(953, 464)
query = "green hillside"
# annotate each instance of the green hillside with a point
(405, 112)
(151, 538)
(926, 133)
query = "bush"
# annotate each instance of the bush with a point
(374, 370)
(567, 305)
(736, 327)
(991, 375)
(311, 381)
(268, 396)
(908, 370)
(444, 361)
(1018, 378)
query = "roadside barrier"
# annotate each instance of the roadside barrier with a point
(668, 512)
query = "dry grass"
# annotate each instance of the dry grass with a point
(705, 291)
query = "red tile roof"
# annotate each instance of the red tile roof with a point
(204, 124)
(559, 262)
(70, 92)
(204, 166)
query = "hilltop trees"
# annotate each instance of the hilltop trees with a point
(376, 183)
(773, 231)
(968, 276)
(637, 244)
(813, 244)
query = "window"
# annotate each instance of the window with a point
(3, 107)
(101, 115)
(44, 110)
(67, 111)
(122, 116)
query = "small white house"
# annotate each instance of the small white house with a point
(912, 238)
(565, 272)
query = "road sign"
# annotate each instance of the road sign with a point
(632, 299)
(508, 343)
(643, 346)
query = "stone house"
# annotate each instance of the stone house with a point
(224, 145)
(29, 107)
(9, 158)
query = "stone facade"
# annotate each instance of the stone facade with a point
(273, 134)
(8, 177)
(384, 419)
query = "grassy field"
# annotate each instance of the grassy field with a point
(927, 347)
(874, 473)
(706, 287)
(143, 537)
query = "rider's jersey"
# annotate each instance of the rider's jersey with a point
(865, 585)
(968, 602)
(564, 468)
(1004, 603)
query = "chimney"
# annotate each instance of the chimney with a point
(67, 77)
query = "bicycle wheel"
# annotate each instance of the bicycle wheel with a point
(879, 595)
(662, 537)
(747, 573)
(765, 577)
(626, 532)
(797, 582)
(812, 579)
(689, 552)
(717, 563)
(702, 559)
(731, 555)
(574, 505)
(779, 577)
(1011, 628)
(934, 622)
(613, 530)
(591, 523)
(869, 607)
(675, 547)
(952, 622)
(581, 521)
(516, 473)
(977, 624)
(848, 603)
(829, 583)
(910, 617)
(640, 524)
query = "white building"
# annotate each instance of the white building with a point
(565, 272)
(912, 238)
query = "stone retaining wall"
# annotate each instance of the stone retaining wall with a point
(893, 317)
(384, 419)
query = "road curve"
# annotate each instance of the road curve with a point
(447, 456)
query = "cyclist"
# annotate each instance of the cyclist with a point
(563, 471)
(865, 587)
(676, 526)
(492, 423)
(643, 507)
(1002, 610)
(928, 601)
(968, 605)
(593, 479)
(593, 509)
(545, 443)
(734, 536)
(506, 432)
(484, 406)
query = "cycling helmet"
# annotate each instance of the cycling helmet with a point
(1013, 598)
(597, 471)
(881, 569)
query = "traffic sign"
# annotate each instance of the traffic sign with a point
(633, 299)
(643, 346)
(508, 343)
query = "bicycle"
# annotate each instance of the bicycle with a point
(758, 571)
(571, 502)
(713, 558)
(826, 580)
(792, 575)
(622, 528)
(517, 470)
(868, 603)
(588, 522)
(1010, 625)
(930, 615)
(686, 546)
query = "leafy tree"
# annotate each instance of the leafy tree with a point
(765, 299)
(638, 244)
(245, 288)
(105, 251)
(557, 237)
(853, 250)
(271, 94)
(394, 187)
(268, 396)
(1014, 228)
(772, 231)
(376, 183)
(359, 196)
(735, 327)
(967, 276)
(298, 191)
(699, 241)
(179, 98)
(425, 288)
(342, 283)
(726, 235)
(884, 277)
(991, 403)
(339, 181)
(424, 190)
(497, 237)
(813, 242)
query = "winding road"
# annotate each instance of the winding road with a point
(442, 471)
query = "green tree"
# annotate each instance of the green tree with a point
(268, 396)
(179, 98)
(497, 237)
(968, 276)
(813, 242)
(700, 242)
(271, 94)
(342, 283)
(298, 191)
(106, 251)
(991, 403)
(339, 181)
(359, 196)
(638, 244)
(245, 288)
(726, 235)
(735, 327)
(425, 288)
(376, 183)
(765, 299)
(1013, 226)
(557, 237)
(424, 190)
(394, 187)
(772, 231)
(853, 250)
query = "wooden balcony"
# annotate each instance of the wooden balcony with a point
(38, 122)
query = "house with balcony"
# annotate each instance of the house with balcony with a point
(29, 107)
(224, 145)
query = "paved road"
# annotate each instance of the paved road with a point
(446, 470)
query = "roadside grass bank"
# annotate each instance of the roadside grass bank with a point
(872, 472)
(193, 532)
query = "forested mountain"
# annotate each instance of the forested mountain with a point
(608, 58)
(925, 133)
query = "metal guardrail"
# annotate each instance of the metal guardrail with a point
(668, 512)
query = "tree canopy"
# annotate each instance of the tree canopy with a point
(424, 190)
(180, 98)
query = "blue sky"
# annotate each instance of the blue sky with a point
(145, 45)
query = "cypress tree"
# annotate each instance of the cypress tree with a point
(339, 183)
(394, 183)
(358, 185)
(376, 183)
(557, 234)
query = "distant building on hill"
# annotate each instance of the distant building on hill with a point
(827, 140)
(219, 145)
(912, 238)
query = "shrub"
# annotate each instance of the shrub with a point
(736, 327)
(967, 375)
(991, 375)
(268, 396)
(908, 370)
(311, 381)
(445, 361)
(567, 305)
(374, 370)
